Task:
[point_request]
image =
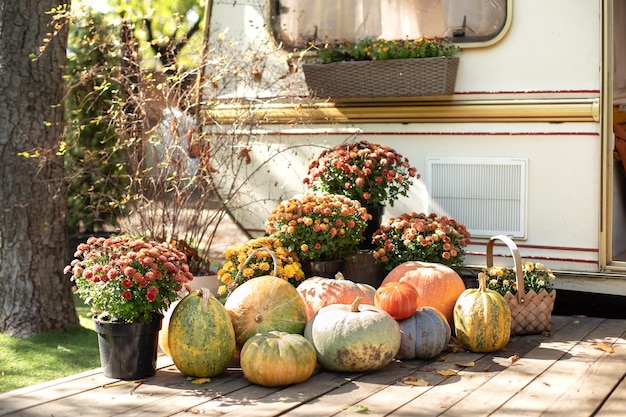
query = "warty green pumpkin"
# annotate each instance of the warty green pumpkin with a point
(276, 359)
(482, 319)
(353, 337)
(201, 337)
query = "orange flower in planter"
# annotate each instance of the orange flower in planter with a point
(319, 226)
(369, 173)
(418, 237)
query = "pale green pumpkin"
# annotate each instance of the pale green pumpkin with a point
(353, 337)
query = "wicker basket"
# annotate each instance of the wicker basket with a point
(388, 78)
(530, 312)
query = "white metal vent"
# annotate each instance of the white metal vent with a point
(488, 195)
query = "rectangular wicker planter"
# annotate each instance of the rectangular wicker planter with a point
(389, 78)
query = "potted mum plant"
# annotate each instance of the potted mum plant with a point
(418, 237)
(245, 261)
(319, 227)
(373, 67)
(372, 174)
(129, 283)
(536, 278)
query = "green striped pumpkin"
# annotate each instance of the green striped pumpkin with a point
(482, 319)
(201, 337)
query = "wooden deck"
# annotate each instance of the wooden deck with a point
(578, 370)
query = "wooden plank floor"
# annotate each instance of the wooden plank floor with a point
(578, 370)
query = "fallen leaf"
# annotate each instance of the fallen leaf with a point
(427, 368)
(198, 381)
(455, 346)
(603, 346)
(487, 368)
(447, 372)
(360, 408)
(411, 380)
(514, 358)
(465, 365)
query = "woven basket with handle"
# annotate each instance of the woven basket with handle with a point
(530, 312)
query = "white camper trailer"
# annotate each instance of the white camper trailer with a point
(523, 147)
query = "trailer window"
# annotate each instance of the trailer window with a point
(300, 23)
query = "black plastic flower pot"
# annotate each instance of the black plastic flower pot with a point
(128, 350)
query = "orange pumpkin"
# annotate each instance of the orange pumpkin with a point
(438, 285)
(399, 299)
(318, 292)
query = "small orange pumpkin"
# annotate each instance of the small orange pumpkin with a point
(399, 299)
(318, 292)
(438, 285)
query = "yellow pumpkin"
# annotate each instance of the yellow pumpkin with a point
(482, 319)
(263, 304)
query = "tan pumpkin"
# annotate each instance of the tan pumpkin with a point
(318, 292)
(482, 319)
(264, 304)
(439, 286)
(353, 337)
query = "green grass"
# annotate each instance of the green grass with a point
(47, 356)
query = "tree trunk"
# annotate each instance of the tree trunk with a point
(35, 296)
